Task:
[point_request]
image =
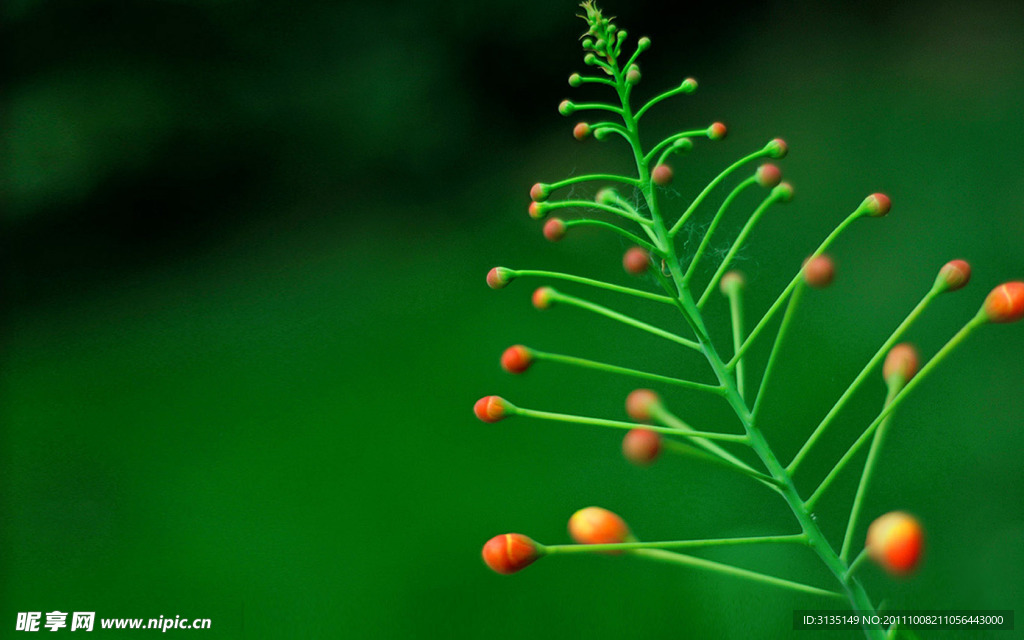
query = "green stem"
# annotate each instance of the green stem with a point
(669, 419)
(682, 448)
(769, 367)
(610, 368)
(960, 336)
(671, 140)
(868, 368)
(729, 570)
(592, 177)
(568, 277)
(595, 106)
(624, 319)
(865, 477)
(795, 281)
(683, 88)
(590, 204)
(615, 228)
(857, 562)
(714, 224)
(618, 424)
(772, 198)
(735, 295)
(711, 185)
(798, 538)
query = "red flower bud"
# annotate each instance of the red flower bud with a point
(581, 131)
(954, 275)
(730, 280)
(641, 446)
(542, 297)
(1005, 303)
(717, 131)
(640, 403)
(595, 525)
(510, 552)
(516, 359)
(877, 204)
(777, 148)
(636, 261)
(499, 277)
(540, 192)
(554, 229)
(768, 175)
(491, 408)
(537, 211)
(902, 361)
(661, 175)
(895, 542)
(819, 271)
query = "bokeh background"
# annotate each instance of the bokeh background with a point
(243, 249)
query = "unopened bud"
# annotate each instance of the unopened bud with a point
(783, 192)
(895, 541)
(777, 148)
(543, 297)
(595, 525)
(636, 261)
(768, 176)
(877, 205)
(954, 275)
(537, 210)
(901, 361)
(499, 277)
(717, 131)
(554, 229)
(732, 281)
(565, 107)
(1005, 303)
(540, 192)
(510, 552)
(819, 271)
(581, 131)
(492, 408)
(688, 86)
(641, 446)
(661, 175)
(641, 403)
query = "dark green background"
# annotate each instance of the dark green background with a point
(243, 258)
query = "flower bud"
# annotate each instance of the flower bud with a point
(492, 408)
(732, 280)
(877, 205)
(581, 131)
(633, 75)
(689, 85)
(643, 43)
(954, 275)
(641, 446)
(661, 175)
(768, 176)
(895, 542)
(777, 148)
(640, 404)
(1005, 303)
(540, 192)
(537, 210)
(543, 297)
(510, 552)
(566, 107)
(607, 196)
(554, 229)
(499, 277)
(819, 271)
(901, 361)
(783, 192)
(575, 80)
(595, 525)
(588, 43)
(636, 261)
(717, 131)
(516, 359)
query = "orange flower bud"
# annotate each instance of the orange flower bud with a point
(636, 261)
(902, 361)
(954, 275)
(877, 204)
(768, 175)
(542, 297)
(595, 525)
(554, 229)
(536, 210)
(581, 131)
(516, 359)
(717, 131)
(1005, 303)
(491, 408)
(895, 541)
(640, 403)
(510, 552)
(641, 446)
(499, 277)
(661, 175)
(819, 271)
(540, 192)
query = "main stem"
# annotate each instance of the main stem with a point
(857, 596)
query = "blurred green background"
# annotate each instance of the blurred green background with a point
(243, 249)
